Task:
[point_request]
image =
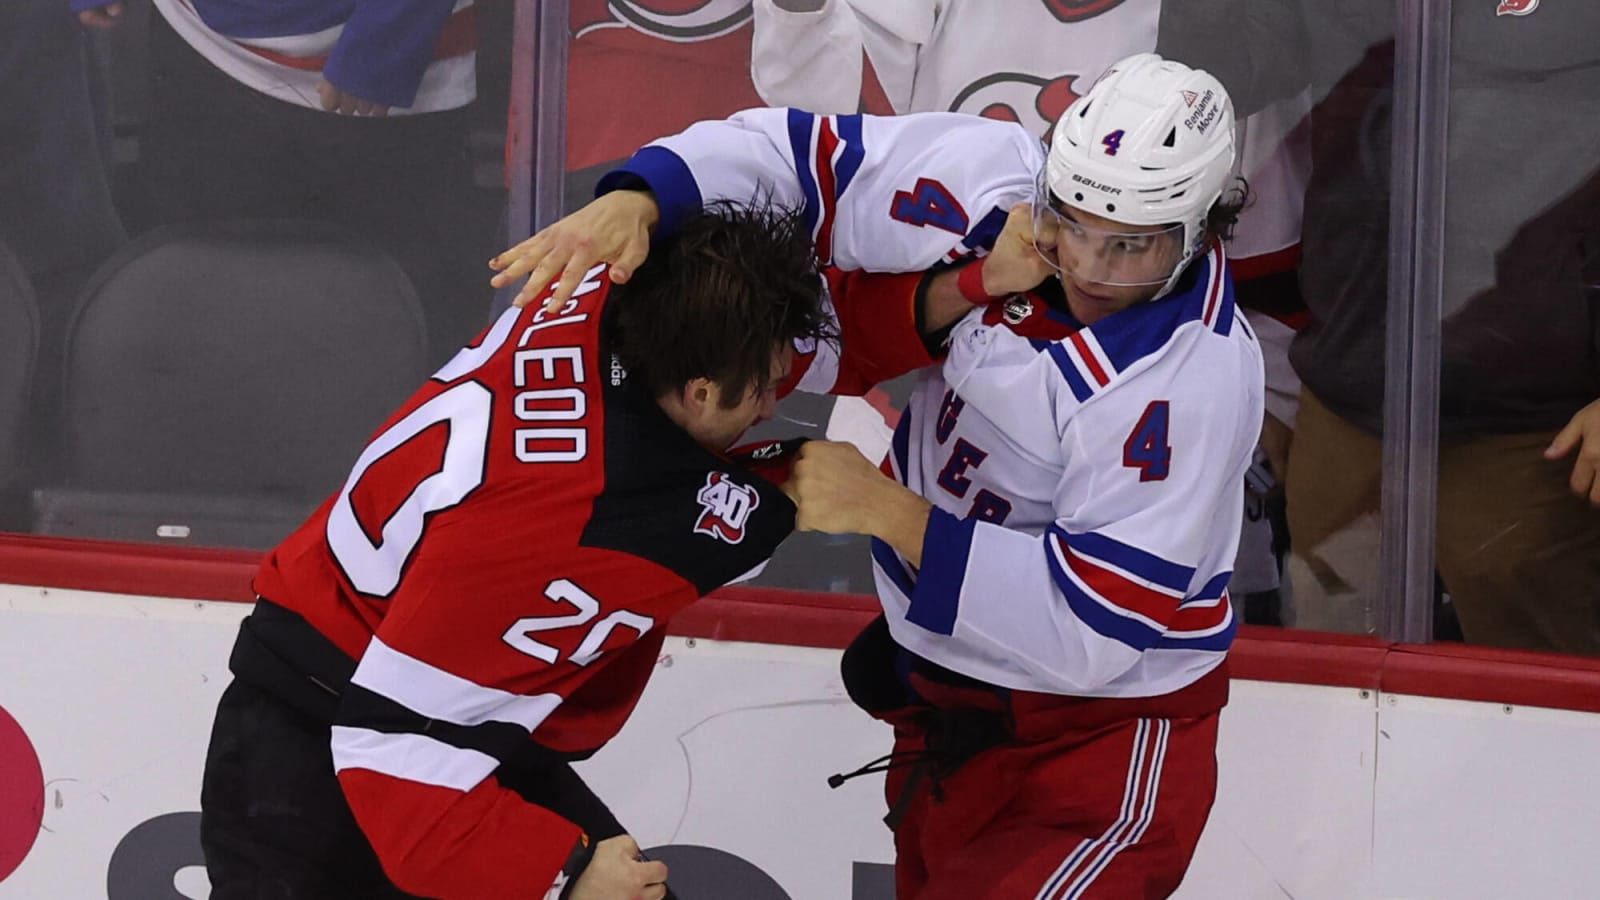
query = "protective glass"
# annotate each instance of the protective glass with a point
(1127, 257)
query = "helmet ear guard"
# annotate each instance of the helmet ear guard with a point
(1151, 143)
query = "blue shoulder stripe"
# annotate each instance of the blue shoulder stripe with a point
(1225, 315)
(854, 151)
(1140, 330)
(1092, 613)
(1146, 565)
(800, 124)
(1069, 370)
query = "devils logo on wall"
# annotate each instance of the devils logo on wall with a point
(671, 20)
(641, 69)
(1034, 103)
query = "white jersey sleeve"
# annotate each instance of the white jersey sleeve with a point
(884, 193)
(809, 59)
(812, 59)
(1100, 482)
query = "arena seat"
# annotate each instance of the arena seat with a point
(220, 378)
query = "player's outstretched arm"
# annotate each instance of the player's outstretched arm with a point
(617, 871)
(614, 228)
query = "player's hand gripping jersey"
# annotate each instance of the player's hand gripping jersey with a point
(1086, 479)
(502, 562)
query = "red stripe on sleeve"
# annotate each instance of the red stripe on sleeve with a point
(1119, 591)
(827, 142)
(878, 338)
(1200, 618)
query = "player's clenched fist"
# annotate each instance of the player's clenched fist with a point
(1016, 263)
(837, 490)
(613, 229)
(616, 872)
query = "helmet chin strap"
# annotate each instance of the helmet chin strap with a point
(1181, 267)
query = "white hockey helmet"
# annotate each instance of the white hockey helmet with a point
(1151, 143)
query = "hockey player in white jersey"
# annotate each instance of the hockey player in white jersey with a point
(1053, 544)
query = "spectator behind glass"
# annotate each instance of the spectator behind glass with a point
(1026, 64)
(353, 113)
(1520, 424)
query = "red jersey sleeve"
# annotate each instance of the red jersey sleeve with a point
(472, 662)
(878, 338)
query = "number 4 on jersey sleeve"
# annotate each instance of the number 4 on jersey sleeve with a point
(929, 203)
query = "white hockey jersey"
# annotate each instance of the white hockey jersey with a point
(1087, 481)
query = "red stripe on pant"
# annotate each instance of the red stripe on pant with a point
(1111, 813)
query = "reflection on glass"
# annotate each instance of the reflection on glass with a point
(309, 195)
(1518, 554)
(1519, 527)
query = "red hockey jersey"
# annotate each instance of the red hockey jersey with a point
(501, 563)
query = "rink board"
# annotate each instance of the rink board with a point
(1334, 790)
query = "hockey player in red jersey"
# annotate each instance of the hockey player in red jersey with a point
(483, 601)
(1053, 544)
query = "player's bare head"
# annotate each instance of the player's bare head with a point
(720, 299)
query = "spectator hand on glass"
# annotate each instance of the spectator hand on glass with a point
(1583, 434)
(614, 228)
(103, 16)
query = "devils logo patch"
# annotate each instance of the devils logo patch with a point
(725, 507)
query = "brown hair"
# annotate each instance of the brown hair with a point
(715, 300)
(1224, 214)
